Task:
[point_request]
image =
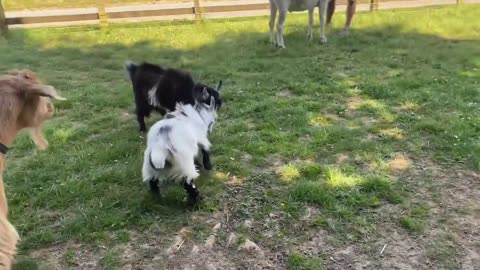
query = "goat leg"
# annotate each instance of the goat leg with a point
(193, 194)
(198, 165)
(207, 164)
(323, 18)
(282, 14)
(310, 25)
(154, 186)
(141, 122)
(38, 138)
(142, 109)
(271, 23)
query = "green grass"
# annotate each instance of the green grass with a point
(347, 202)
(299, 262)
(310, 126)
(414, 222)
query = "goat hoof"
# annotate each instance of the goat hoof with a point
(192, 201)
(154, 187)
(323, 40)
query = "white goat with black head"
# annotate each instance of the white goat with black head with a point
(282, 6)
(173, 144)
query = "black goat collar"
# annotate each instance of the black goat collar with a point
(3, 149)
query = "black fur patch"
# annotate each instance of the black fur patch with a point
(154, 186)
(172, 86)
(164, 130)
(198, 92)
(3, 149)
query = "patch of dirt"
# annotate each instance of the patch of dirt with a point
(284, 93)
(454, 212)
(353, 103)
(371, 137)
(368, 121)
(400, 163)
(235, 180)
(236, 239)
(407, 106)
(125, 117)
(453, 221)
(246, 157)
(341, 158)
(341, 74)
(395, 133)
(275, 160)
(78, 257)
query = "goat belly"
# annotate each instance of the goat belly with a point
(301, 5)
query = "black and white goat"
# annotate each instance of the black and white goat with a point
(173, 144)
(160, 89)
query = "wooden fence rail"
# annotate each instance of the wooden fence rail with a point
(196, 10)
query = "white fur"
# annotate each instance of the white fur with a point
(152, 96)
(188, 128)
(282, 6)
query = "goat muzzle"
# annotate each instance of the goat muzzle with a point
(3, 149)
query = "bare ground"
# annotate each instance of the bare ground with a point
(451, 239)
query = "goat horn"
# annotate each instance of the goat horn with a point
(219, 85)
(50, 91)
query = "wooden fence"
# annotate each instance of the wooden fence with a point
(195, 10)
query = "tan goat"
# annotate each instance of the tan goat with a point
(25, 102)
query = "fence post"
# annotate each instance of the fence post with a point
(102, 16)
(3, 21)
(197, 10)
(374, 5)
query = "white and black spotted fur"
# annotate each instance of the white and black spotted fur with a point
(173, 144)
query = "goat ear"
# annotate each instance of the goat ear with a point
(45, 91)
(205, 94)
(24, 74)
(212, 103)
(219, 85)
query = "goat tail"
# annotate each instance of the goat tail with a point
(131, 68)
